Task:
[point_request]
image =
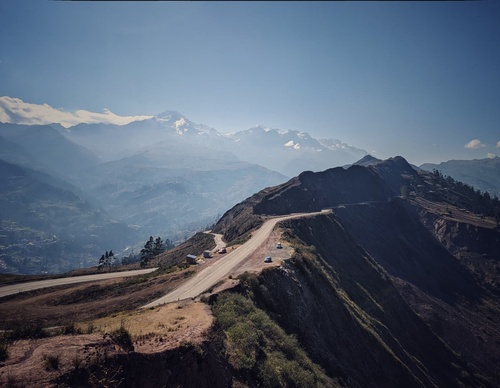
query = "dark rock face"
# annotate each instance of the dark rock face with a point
(315, 191)
(337, 186)
(393, 234)
(382, 292)
(350, 317)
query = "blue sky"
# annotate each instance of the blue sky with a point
(419, 80)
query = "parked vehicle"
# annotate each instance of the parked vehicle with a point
(222, 250)
(278, 245)
(268, 259)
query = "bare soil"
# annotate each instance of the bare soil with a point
(152, 330)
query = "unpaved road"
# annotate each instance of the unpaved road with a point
(209, 276)
(218, 241)
(28, 286)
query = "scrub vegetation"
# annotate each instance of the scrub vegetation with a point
(259, 349)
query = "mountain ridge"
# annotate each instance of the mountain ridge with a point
(286, 151)
(483, 174)
(399, 230)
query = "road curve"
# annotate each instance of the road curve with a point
(29, 286)
(218, 240)
(214, 273)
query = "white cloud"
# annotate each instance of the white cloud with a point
(489, 155)
(16, 111)
(474, 144)
(498, 144)
(4, 117)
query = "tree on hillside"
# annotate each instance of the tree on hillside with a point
(111, 259)
(106, 260)
(147, 253)
(101, 262)
(131, 258)
(154, 247)
(168, 244)
(158, 247)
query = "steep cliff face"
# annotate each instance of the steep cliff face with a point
(394, 236)
(384, 291)
(463, 237)
(350, 317)
(442, 271)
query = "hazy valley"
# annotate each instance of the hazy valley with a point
(165, 176)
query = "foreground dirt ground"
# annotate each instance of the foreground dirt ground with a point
(39, 362)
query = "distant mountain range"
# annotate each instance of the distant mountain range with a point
(287, 152)
(483, 174)
(163, 175)
(162, 186)
(46, 227)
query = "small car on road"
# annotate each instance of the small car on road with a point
(268, 259)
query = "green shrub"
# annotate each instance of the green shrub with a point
(256, 343)
(244, 344)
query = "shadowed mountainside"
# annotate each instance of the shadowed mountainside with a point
(375, 290)
(46, 227)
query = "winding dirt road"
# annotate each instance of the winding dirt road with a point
(220, 269)
(191, 288)
(28, 286)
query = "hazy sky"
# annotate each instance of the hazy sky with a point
(419, 80)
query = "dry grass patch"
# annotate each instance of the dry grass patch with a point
(160, 328)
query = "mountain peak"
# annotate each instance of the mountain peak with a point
(366, 161)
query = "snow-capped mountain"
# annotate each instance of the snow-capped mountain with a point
(290, 152)
(182, 125)
(286, 151)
